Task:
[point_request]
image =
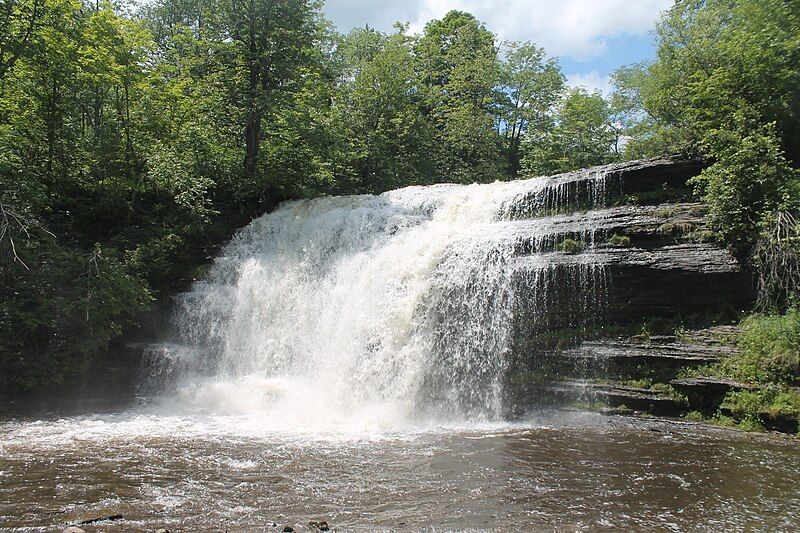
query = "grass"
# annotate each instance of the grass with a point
(649, 384)
(770, 351)
(723, 421)
(769, 357)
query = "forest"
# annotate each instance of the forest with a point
(135, 140)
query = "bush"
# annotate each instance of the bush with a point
(622, 241)
(694, 416)
(571, 246)
(770, 351)
(770, 348)
(747, 407)
(62, 313)
(749, 180)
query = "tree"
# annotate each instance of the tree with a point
(392, 140)
(532, 85)
(271, 39)
(458, 74)
(19, 21)
(726, 85)
(582, 134)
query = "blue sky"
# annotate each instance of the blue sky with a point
(591, 38)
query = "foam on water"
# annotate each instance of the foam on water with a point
(370, 311)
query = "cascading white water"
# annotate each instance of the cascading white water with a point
(385, 308)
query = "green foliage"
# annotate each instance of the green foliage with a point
(622, 241)
(62, 312)
(581, 134)
(534, 84)
(770, 348)
(571, 246)
(748, 181)
(770, 351)
(725, 84)
(694, 416)
(750, 408)
(392, 139)
(458, 72)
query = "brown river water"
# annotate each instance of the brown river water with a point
(559, 470)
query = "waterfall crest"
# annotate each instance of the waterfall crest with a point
(394, 307)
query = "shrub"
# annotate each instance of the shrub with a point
(622, 241)
(571, 246)
(749, 180)
(747, 407)
(694, 416)
(770, 351)
(770, 348)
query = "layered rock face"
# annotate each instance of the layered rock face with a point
(626, 244)
(610, 253)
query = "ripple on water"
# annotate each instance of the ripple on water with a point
(556, 469)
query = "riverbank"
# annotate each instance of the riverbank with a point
(718, 375)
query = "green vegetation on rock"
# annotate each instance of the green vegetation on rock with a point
(770, 351)
(622, 241)
(571, 246)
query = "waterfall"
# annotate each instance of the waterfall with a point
(400, 306)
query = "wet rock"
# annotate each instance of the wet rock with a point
(658, 357)
(783, 422)
(611, 411)
(320, 525)
(618, 396)
(706, 393)
(101, 518)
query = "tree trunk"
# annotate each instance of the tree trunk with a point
(252, 135)
(252, 130)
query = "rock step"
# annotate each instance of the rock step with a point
(617, 395)
(646, 226)
(679, 353)
(706, 393)
(659, 358)
(603, 185)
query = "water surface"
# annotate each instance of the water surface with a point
(567, 470)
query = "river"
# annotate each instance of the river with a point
(345, 360)
(562, 470)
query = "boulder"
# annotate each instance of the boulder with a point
(320, 525)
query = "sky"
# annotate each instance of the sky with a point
(591, 38)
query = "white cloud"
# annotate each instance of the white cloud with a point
(570, 28)
(592, 80)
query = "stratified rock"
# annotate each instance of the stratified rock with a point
(658, 357)
(604, 185)
(624, 411)
(706, 393)
(618, 395)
